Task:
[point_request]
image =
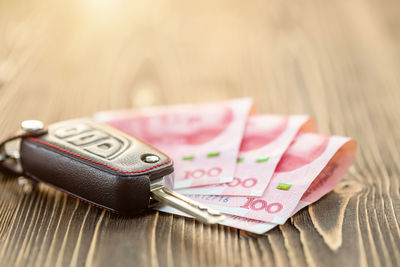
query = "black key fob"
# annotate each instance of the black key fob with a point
(91, 161)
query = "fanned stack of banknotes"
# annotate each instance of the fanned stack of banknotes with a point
(257, 169)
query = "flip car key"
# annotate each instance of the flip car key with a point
(99, 165)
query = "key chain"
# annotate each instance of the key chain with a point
(99, 165)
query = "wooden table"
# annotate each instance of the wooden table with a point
(338, 61)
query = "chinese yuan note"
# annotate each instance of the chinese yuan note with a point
(323, 184)
(265, 140)
(202, 139)
(309, 156)
(329, 177)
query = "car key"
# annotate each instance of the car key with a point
(98, 164)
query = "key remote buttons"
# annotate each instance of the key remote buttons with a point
(32, 125)
(150, 158)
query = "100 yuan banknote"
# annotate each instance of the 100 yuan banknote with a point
(301, 164)
(323, 184)
(265, 140)
(202, 139)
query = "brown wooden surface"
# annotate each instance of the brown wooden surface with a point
(338, 61)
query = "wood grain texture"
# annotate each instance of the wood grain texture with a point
(338, 61)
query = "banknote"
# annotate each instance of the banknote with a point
(265, 140)
(329, 177)
(311, 157)
(323, 184)
(249, 225)
(202, 139)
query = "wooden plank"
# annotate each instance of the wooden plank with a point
(336, 60)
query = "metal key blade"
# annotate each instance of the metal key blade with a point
(185, 204)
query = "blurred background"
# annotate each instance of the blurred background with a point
(63, 59)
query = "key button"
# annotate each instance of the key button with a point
(150, 158)
(32, 125)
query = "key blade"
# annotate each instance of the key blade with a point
(193, 203)
(187, 205)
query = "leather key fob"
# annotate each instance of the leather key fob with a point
(95, 163)
(99, 165)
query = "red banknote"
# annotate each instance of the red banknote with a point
(326, 180)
